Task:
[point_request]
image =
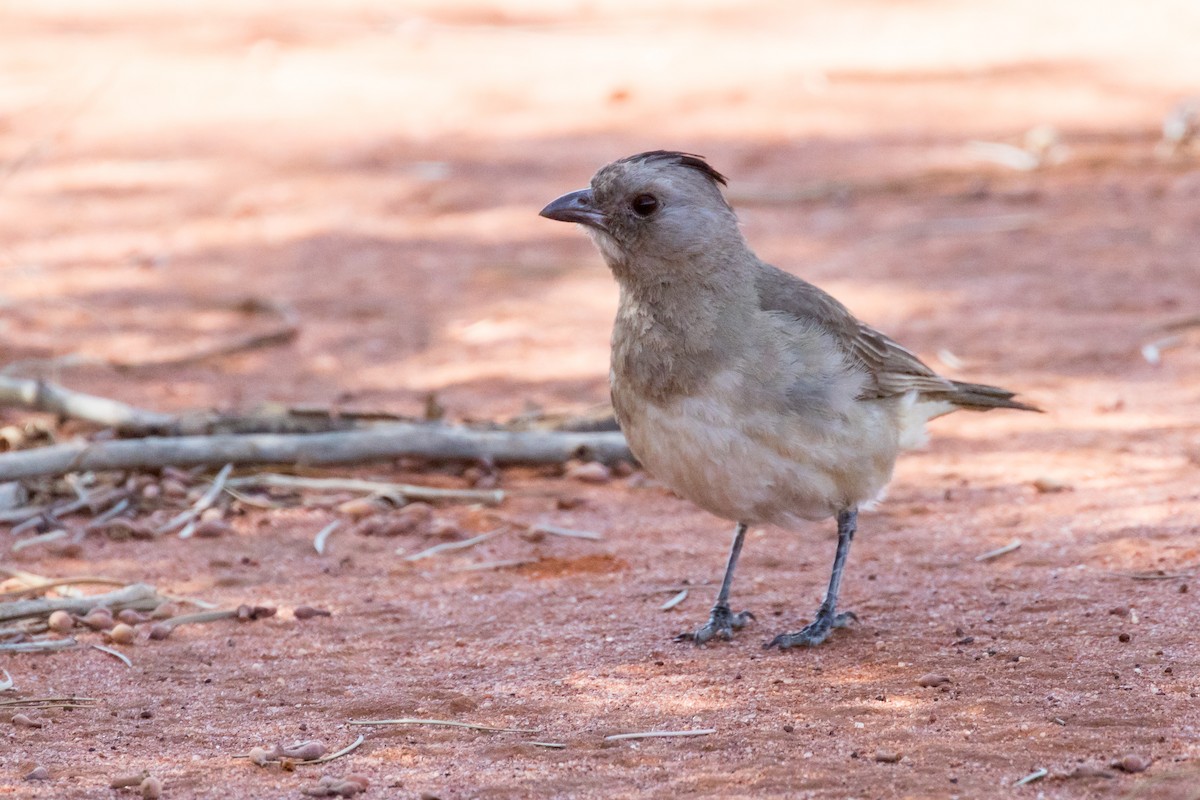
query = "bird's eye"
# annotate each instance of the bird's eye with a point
(644, 205)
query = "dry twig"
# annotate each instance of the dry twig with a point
(44, 584)
(322, 536)
(114, 653)
(674, 601)
(999, 551)
(41, 538)
(138, 596)
(442, 548)
(36, 395)
(38, 645)
(446, 722)
(400, 492)
(506, 563)
(659, 734)
(555, 530)
(50, 702)
(350, 748)
(190, 515)
(380, 443)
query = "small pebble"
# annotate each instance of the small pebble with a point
(121, 529)
(533, 535)
(1048, 485)
(248, 613)
(361, 507)
(98, 619)
(38, 774)
(623, 469)
(308, 612)
(931, 679)
(164, 610)
(151, 788)
(888, 756)
(1132, 763)
(160, 631)
(445, 528)
(413, 518)
(590, 472)
(212, 528)
(25, 721)
(122, 634)
(131, 617)
(1124, 637)
(173, 489)
(61, 622)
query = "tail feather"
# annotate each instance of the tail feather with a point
(981, 397)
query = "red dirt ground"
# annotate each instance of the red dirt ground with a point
(379, 170)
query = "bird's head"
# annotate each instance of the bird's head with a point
(652, 209)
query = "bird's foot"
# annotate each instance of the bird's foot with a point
(815, 632)
(721, 625)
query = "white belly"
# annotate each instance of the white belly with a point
(758, 465)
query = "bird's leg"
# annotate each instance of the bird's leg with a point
(816, 631)
(722, 622)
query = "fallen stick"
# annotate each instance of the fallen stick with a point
(54, 584)
(442, 548)
(658, 734)
(131, 421)
(442, 722)
(47, 702)
(44, 645)
(138, 596)
(507, 563)
(322, 536)
(384, 442)
(555, 530)
(206, 500)
(999, 551)
(403, 492)
(30, 516)
(117, 654)
(36, 395)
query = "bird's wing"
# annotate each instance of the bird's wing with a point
(891, 369)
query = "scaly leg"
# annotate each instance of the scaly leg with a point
(722, 622)
(818, 630)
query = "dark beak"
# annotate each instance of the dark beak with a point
(576, 207)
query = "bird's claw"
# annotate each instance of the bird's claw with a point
(814, 633)
(721, 625)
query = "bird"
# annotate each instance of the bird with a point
(745, 389)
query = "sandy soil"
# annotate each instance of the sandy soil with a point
(379, 168)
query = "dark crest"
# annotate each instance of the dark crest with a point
(689, 160)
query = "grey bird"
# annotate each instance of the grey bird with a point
(745, 389)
